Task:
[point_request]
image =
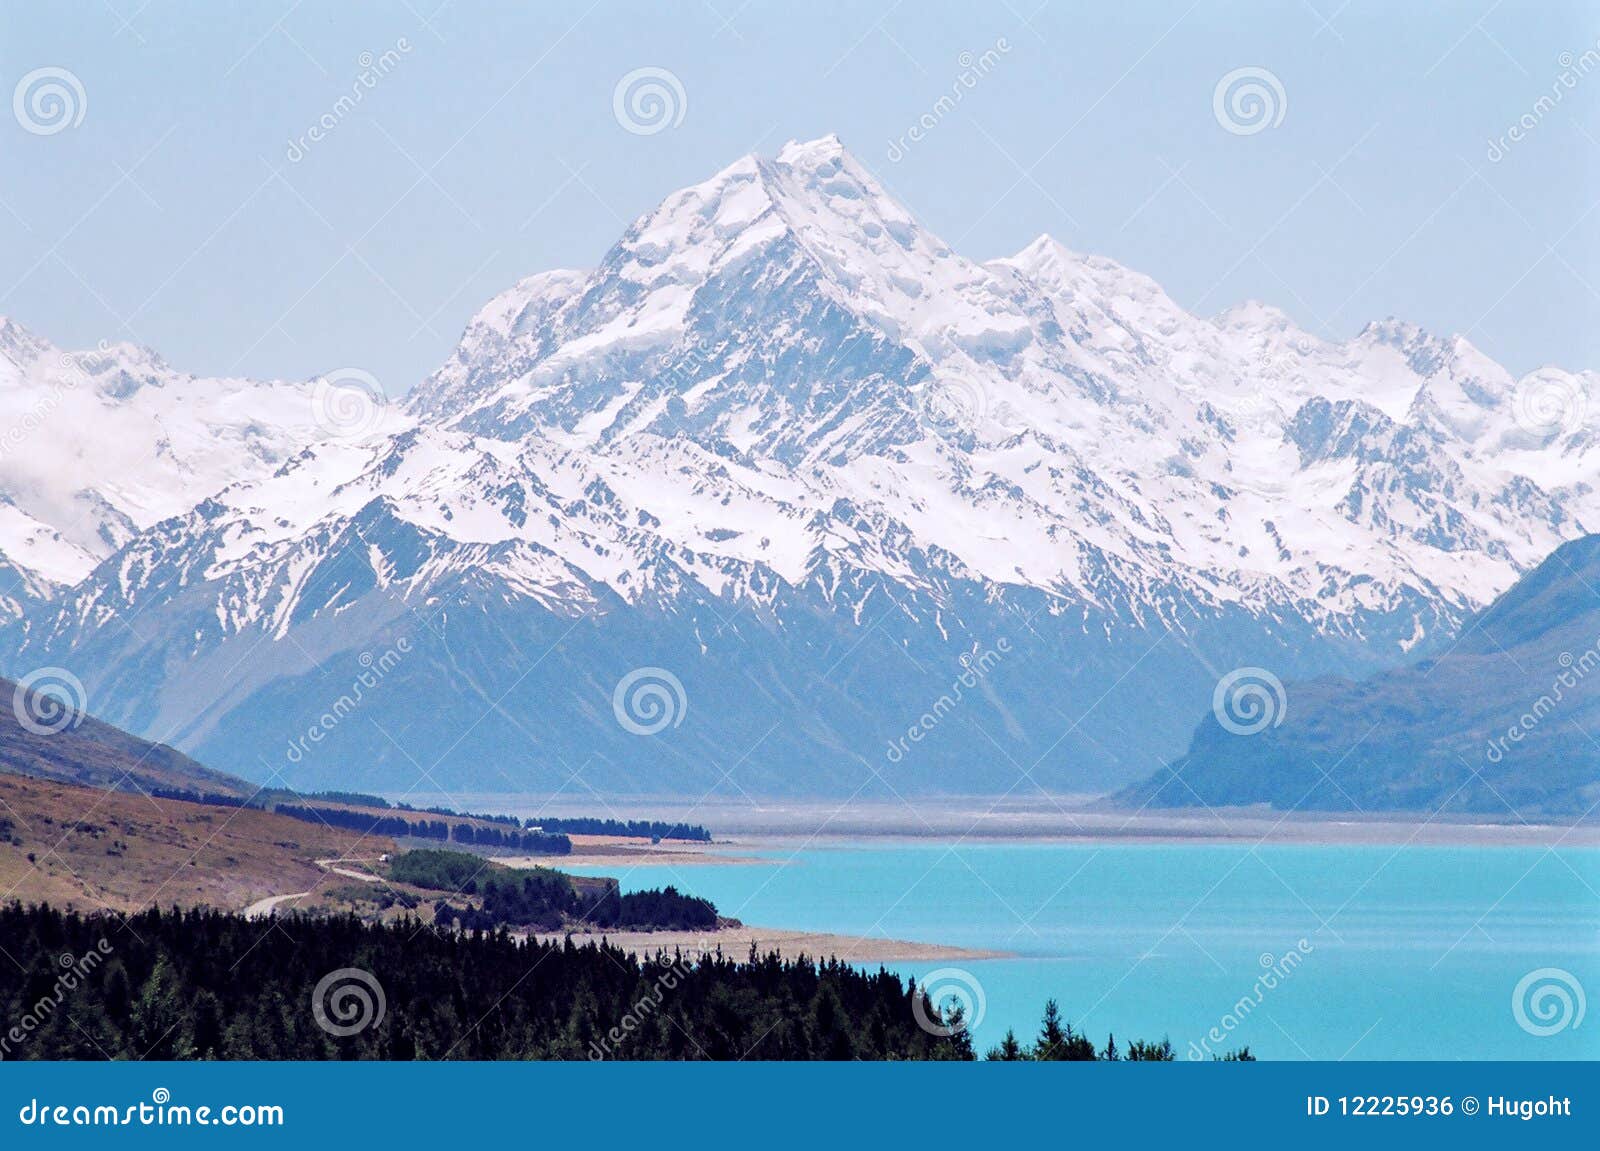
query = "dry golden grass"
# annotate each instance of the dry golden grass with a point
(87, 848)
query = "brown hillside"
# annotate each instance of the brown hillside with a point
(120, 850)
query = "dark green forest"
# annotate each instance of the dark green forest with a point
(541, 898)
(638, 828)
(209, 985)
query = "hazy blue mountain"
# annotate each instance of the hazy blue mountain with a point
(1503, 721)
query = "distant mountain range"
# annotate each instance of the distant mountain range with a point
(1503, 721)
(786, 446)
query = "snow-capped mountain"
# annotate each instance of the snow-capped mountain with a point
(786, 444)
(98, 446)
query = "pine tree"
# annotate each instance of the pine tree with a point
(1009, 1051)
(959, 1037)
(1052, 1035)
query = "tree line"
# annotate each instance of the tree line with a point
(636, 828)
(1058, 1042)
(212, 985)
(400, 827)
(544, 836)
(209, 985)
(542, 899)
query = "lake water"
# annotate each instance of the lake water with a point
(1391, 953)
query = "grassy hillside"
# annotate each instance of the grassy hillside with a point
(91, 849)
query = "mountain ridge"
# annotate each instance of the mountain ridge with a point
(778, 400)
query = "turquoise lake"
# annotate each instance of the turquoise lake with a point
(1399, 953)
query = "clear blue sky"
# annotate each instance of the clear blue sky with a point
(171, 215)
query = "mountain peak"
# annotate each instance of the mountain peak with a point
(1255, 316)
(18, 344)
(1395, 333)
(1042, 251)
(823, 149)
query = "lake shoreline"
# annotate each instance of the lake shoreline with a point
(734, 942)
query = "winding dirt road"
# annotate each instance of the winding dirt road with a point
(262, 908)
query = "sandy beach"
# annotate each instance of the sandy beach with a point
(735, 942)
